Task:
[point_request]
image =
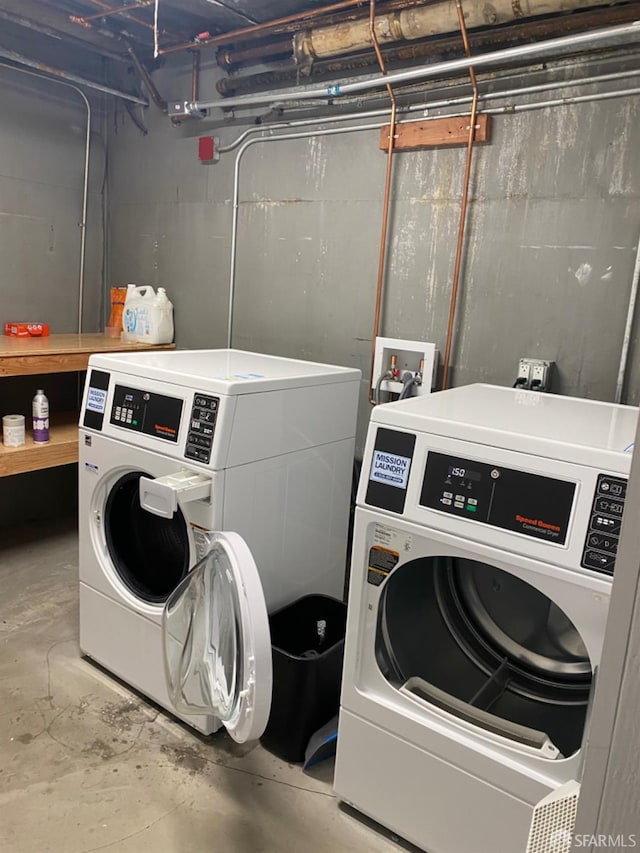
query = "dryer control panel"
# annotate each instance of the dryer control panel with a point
(601, 544)
(532, 504)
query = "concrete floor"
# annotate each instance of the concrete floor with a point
(86, 765)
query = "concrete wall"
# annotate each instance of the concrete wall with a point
(42, 145)
(553, 228)
(41, 179)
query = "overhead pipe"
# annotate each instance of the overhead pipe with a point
(230, 58)
(463, 205)
(147, 80)
(437, 19)
(117, 10)
(85, 182)
(85, 20)
(67, 75)
(28, 24)
(576, 42)
(258, 30)
(386, 202)
(404, 52)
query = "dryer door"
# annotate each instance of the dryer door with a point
(217, 645)
(479, 643)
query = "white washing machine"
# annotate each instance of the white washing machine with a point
(177, 446)
(486, 530)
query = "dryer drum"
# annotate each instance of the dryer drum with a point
(508, 658)
(150, 554)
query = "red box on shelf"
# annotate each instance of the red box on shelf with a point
(26, 330)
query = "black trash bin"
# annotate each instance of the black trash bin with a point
(307, 640)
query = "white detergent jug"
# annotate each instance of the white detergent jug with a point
(156, 319)
(133, 315)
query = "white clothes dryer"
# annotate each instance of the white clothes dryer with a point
(178, 446)
(486, 530)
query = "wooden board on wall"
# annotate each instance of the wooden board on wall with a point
(437, 133)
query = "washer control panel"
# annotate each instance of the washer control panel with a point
(202, 424)
(601, 543)
(143, 411)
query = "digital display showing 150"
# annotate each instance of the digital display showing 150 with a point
(458, 471)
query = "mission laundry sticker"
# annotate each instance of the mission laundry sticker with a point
(390, 469)
(96, 400)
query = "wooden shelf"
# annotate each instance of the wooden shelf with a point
(59, 353)
(62, 448)
(53, 354)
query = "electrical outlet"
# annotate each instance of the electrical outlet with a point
(534, 374)
(524, 373)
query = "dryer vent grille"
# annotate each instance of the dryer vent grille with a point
(554, 820)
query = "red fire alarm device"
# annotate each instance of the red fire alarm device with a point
(208, 149)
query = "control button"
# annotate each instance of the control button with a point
(135, 423)
(199, 440)
(206, 429)
(604, 524)
(447, 495)
(472, 501)
(197, 453)
(118, 410)
(445, 501)
(603, 543)
(600, 562)
(196, 426)
(458, 505)
(611, 507)
(460, 498)
(204, 415)
(471, 508)
(613, 487)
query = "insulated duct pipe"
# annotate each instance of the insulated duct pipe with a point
(436, 19)
(607, 37)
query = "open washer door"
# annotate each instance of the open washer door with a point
(217, 644)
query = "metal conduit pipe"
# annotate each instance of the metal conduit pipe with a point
(463, 204)
(628, 328)
(67, 75)
(85, 184)
(424, 107)
(622, 34)
(509, 110)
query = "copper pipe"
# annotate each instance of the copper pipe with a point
(115, 11)
(195, 76)
(85, 19)
(463, 206)
(387, 195)
(238, 35)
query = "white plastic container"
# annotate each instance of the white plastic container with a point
(147, 317)
(155, 319)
